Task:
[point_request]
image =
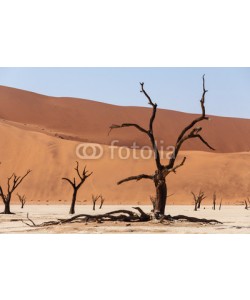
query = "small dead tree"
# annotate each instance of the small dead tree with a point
(162, 171)
(12, 183)
(102, 201)
(198, 199)
(82, 177)
(94, 200)
(246, 205)
(220, 204)
(214, 200)
(201, 197)
(22, 199)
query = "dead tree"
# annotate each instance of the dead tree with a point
(94, 200)
(121, 215)
(102, 201)
(201, 197)
(214, 200)
(22, 199)
(198, 199)
(246, 205)
(82, 177)
(220, 204)
(159, 177)
(12, 183)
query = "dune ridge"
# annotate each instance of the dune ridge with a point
(89, 121)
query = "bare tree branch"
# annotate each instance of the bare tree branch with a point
(12, 183)
(94, 200)
(167, 171)
(114, 126)
(64, 178)
(154, 105)
(102, 201)
(137, 178)
(82, 176)
(194, 133)
(22, 199)
(149, 132)
(203, 115)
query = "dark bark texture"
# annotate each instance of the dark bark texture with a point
(159, 177)
(82, 176)
(12, 183)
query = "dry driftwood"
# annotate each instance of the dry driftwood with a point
(118, 215)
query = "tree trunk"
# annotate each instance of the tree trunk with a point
(161, 195)
(7, 208)
(72, 207)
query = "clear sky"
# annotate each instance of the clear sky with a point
(172, 88)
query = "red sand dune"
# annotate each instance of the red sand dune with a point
(89, 121)
(29, 132)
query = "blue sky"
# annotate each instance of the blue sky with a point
(172, 88)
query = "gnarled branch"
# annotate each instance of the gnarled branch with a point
(137, 178)
(195, 133)
(114, 126)
(82, 176)
(148, 132)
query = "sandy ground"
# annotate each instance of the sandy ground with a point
(235, 219)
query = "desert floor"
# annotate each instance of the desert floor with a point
(235, 219)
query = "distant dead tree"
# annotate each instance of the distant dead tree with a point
(214, 200)
(220, 204)
(12, 183)
(159, 177)
(246, 205)
(102, 201)
(94, 200)
(198, 199)
(82, 177)
(22, 199)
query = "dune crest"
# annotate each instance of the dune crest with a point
(89, 121)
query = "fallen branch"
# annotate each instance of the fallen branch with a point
(191, 219)
(118, 215)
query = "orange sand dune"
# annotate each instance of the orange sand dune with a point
(51, 159)
(84, 120)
